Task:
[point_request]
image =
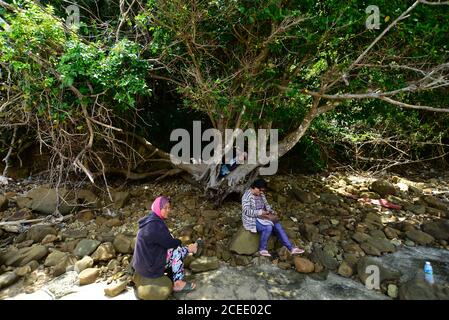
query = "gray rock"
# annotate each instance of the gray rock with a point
(345, 270)
(382, 244)
(370, 249)
(245, 242)
(152, 289)
(360, 237)
(320, 256)
(120, 198)
(304, 196)
(385, 273)
(84, 263)
(122, 244)
(419, 237)
(309, 231)
(383, 188)
(54, 258)
(7, 279)
(419, 289)
(437, 229)
(38, 232)
(331, 199)
(43, 200)
(85, 247)
(64, 264)
(20, 257)
(104, 252)
(434, 202)
(203, 264)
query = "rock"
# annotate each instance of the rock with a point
(49, 238)
(88, 276)
(43, 200)
(241, 260)
(87, 198)
(419, 237)
(84, 263)
(152, 289)
(38, 232)
(203, 264)
(352, 259)
(353, 248)
(25, 244)
(415, 208)
(104, 252)
(378, 234)
(63, 265)
(374, 220)
(69, 246)
(360, 237)
(303, 265)
(392, 291)
(74, 234)
(369, 195)
(370, 249)
(85, 247)
(383, 188)
(409, 243)
(419, 289)
(85, 216)
(120, 198)
(23, 202)
(115, 289)
(437, 229)
(210, 214)
(391, 233)
(320, 256)
(385, 273)
(19, 258)
(284, 265)
(309, 231)
(23, 271)
(54, 258)
(434, 202)
(114, 222)
(345, 270)
(331, 199)
(245, 242)
(3, 203)
(382, 244)
(122, 244)
(260, 260)
(7, 279)
(304, 196)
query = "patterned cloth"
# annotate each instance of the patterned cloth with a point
(175, 261)
(249, 210)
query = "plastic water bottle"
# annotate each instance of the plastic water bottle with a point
(428, 273)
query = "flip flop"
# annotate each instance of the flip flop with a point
(187, 288)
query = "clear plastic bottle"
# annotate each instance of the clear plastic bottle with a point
(428, 273)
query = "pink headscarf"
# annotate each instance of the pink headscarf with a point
(158, 204)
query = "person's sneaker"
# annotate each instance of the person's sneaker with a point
(297, 251)
(264, 253)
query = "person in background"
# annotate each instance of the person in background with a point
(258, 216)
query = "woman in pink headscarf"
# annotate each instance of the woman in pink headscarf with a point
(156, 250)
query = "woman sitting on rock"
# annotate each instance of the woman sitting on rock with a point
(156, 250)
(258, 216)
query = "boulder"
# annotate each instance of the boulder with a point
(419, 289)
(434, 202)
(370, 249)
(63, 265)
(115, 289)
(20, 257)
(152, 289)
(104, 252)
(7, 279)
(120, 198)
(88, 276)
(38, 232)
(382, 244)
(122, 244)
(304, 196)
(49, 238)
(420, 237)
(43, 200)
(383, 187)
(320, 256)
(245, 242)
(85, 247)
(437, 229)
(345, 270)
(54, 258)
(385, 273)
(84, 263)
(309, 231)
(331, 199)
(203, 264)
(303, 265)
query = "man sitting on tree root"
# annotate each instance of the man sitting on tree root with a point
(258, 216)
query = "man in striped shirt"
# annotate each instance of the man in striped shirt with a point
(258, 216)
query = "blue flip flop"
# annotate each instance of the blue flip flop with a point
(187, 288)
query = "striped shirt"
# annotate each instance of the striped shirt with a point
(250, 211)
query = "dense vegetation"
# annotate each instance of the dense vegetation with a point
(100, 95)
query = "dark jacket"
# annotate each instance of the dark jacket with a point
(153, 241)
